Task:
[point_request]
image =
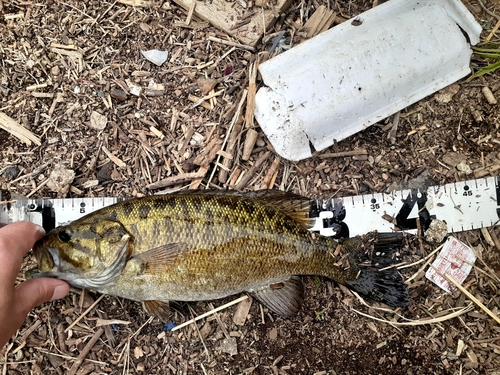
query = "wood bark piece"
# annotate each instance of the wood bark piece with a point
(359, 151)
(17, 130)
(174, 180)
(247, 26)
(137, 3)
(252, 90)
(250, 140)
(321, 20)
(242, 310)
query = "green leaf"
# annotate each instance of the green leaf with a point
(490, 68)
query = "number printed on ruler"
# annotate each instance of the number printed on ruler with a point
(462, 206)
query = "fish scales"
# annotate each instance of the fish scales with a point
(197, 246)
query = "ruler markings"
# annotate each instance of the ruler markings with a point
(462, 205)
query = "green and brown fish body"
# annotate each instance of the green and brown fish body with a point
(206, 245)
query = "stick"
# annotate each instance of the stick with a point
(17, 130)
(252, 90)
(490, 35)
(230, 149)
(84, 313)
(209, 313)
(268, 179)
(429, 260)
(359, 151)
(251, 172)
(233, 122)
(249, 144)
(114, 159)
(472, 298)
(392, 133)
(232, 44)
(174, 180)
(85, 351)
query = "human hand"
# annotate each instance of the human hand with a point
(16, 301)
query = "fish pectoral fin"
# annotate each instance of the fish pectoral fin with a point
(284, 298)
(155, 260)
(159, 309)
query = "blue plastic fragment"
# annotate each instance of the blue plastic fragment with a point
(169, 326)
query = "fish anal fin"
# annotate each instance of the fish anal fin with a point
(284, 298)
(160, 309)
(158, 258)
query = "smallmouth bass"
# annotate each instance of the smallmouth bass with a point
(204, 245)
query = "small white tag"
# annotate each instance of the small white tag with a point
(455, 260)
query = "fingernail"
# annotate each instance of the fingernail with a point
(60, 291)
(39, 229)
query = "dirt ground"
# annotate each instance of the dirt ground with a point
(67, 73)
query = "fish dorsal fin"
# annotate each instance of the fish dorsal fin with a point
(160, 309)
(284, 298)
(156, 259)
(292, 205)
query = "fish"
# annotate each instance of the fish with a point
(206, 245)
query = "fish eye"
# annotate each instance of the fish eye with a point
(64, 236)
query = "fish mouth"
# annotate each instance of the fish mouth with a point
(47, 259)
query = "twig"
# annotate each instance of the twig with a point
(393, 132)
(411, 322)
(141, 327)
(471, 297)
(114, 159)
(252, 89)
(249, 144)
(359, 151)
(220, 322)
(84, 313)
(28, 332)
(421, 322)
(207, 97)
(429, 260)
(269, 177)
(36, 172)
(251, 172)
(17, 130)
(209, 313)
(199, 334)
(495, 29)
(229, 43)
(233, 122)
(231, 146)
(487, 10)
(101, 363)
(419, 233)
(85, 351)
(175, 180)
(40, 185)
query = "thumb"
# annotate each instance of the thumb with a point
(34, 292)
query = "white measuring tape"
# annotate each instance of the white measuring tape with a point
(462, 205)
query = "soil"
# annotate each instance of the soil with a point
(66, 74)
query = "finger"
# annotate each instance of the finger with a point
(15, 241)
(20, 236)
(34, 292)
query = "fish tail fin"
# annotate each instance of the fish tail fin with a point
(375, 282)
